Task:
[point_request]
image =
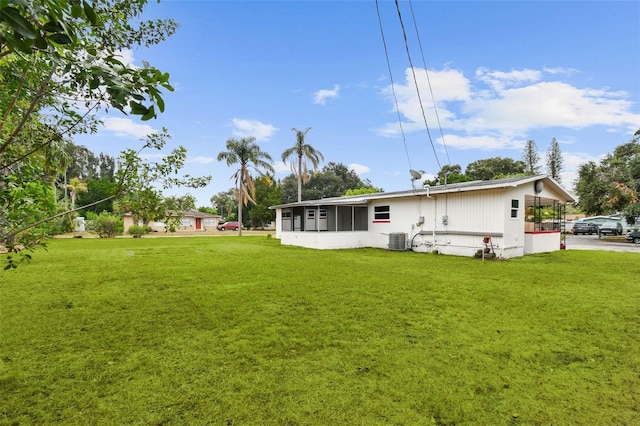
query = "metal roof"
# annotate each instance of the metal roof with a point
(435, 190)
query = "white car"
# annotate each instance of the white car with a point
(610, 228)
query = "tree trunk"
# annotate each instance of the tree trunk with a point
(299, 177)
(240, 210)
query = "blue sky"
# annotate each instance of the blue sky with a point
(501, 72)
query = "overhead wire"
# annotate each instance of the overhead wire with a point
(393, 90)
(424, 63)
(415, 81)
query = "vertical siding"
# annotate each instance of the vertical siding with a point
(470, 215)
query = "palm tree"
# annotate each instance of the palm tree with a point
(301, 151)
(75, 186)
(56, 161)
(248, 155)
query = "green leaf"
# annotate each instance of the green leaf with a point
(24, 3)
(40, 43)
(19, 24)
(160, 103)
(94, 83)
(76, 10)
(89, 13)
(18, 45)
(60, 38)
(149, 115)
(52, 27)
(137, 108)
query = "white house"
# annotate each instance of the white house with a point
(189, 221)
(503, 216)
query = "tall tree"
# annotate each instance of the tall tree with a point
(494, 168)
(531, 157)
(554, 160)
(56, 161)
(267, 194)
(613, 185)
(107, 166)
(297, 156)
(225, 203)
(84, 164)
(591, 188)
(75, 186)
(334, 180)
(248, 155)
(61, 62)
(449, 174)
(97, 191)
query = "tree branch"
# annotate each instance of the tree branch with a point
(30, 110)
(15, 98)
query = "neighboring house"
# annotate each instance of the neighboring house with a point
(191, 221)
(457, 219)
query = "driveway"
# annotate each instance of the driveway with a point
(592, 242)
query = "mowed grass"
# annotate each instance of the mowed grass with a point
(243, 331)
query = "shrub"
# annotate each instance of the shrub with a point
(137, 230)
(105, 225)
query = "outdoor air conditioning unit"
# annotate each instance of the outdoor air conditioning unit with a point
(397, 241)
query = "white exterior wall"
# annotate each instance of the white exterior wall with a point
(327, 240)
(279, 223)
(514, 238)
(543, 242)
(471, 215)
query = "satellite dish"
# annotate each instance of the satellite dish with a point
(415, 175)
(538, 186)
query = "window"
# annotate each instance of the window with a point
(515, 204)
(381, 214)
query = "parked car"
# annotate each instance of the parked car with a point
(633, 236)
(229, 225)
(584, 228)
(611, 228)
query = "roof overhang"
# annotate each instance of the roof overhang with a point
(563, 195)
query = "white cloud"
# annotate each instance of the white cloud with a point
(281, 167)
(498, 80)
(151, 156)
(498, 108)
(126, 128)
(200, 159)
(447, 86)
(246, 128)
(126, 57)
(560, 70)
(548, 104)
(320, 97)
(358, 168)
(484, 142)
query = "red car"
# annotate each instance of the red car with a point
(229, 225)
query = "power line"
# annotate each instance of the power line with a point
(393, 90)
(415, 81)
(424, 63)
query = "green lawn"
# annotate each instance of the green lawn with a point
(243, 331)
